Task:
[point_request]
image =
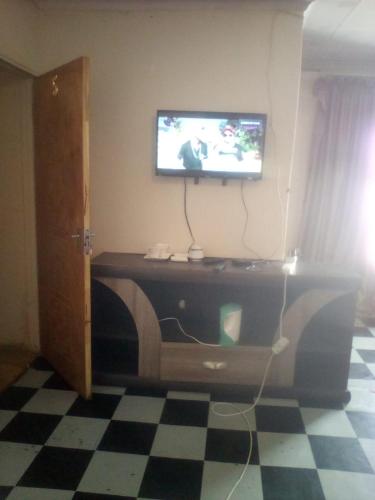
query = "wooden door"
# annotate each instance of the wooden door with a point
(62, 213)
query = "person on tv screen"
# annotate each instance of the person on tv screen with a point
(229, 145)
(192, 153)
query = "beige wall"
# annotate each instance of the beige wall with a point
(230, 60)
(18, 29)
(243, 59)
(18, 291)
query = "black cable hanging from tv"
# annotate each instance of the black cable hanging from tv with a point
(186, 214)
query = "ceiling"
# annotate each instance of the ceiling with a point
(339, 35)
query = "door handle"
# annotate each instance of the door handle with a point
(87, 240)
(215, 365)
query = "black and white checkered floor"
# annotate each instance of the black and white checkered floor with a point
(136, 443)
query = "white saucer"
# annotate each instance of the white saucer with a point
(164, 256)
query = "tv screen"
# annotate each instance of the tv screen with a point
(210, 144)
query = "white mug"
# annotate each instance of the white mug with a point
(158, 251)
(195, 252)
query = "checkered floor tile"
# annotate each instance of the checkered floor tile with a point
(149, 443)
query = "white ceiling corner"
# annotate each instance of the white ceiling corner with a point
(339, 35)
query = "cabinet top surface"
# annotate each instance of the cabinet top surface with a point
(134, 266)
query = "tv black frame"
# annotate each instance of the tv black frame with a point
(211, 173)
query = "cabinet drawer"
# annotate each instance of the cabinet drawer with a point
(197, 363)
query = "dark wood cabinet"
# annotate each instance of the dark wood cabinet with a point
(318, 322)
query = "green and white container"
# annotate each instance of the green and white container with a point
(230, 324)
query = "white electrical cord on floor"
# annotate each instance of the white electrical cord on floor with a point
(243, 415)
(238, 412)
(248, 456)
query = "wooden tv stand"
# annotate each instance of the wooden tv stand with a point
(318, 321)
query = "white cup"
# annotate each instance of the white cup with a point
(195, 252)
(158, 251)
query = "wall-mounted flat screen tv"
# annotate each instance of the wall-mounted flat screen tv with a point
(210, 144)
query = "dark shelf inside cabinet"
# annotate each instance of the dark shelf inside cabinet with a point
(114, 334)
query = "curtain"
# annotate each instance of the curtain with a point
(333, 225)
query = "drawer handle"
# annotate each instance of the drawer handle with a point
(215, 365)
